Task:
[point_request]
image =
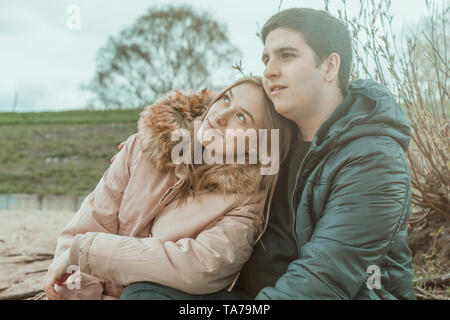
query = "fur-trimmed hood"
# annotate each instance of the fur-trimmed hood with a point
(179, 109)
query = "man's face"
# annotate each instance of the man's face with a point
(292, 79)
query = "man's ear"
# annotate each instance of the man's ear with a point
(333, 63)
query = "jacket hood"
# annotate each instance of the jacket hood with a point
(368, 109)
(176, 110)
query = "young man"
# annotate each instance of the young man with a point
(344, 220)
(338, 222)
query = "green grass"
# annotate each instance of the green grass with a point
(70, 117)
(60, 152)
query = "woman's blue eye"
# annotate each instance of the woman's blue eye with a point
(241, 117)
(226, 99)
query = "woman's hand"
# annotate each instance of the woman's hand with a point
(56, 274)
(120, 148)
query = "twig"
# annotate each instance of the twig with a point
(32, 260)
(39, 254)
(37, 271)
(435, 280)
(438, 233)
(238, 66)
(429, 296)
(39, 296)
(418, 219)
(423, 297)
(3, 287)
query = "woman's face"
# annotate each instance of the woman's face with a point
(241, 107)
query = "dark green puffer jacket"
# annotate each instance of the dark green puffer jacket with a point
(354, 205)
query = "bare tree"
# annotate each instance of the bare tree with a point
(167, 48)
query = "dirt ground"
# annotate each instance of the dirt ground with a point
(27, 244)
(28, 240)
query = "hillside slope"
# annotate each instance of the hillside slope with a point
(60, 152)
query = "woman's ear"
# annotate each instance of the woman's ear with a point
(333, 63)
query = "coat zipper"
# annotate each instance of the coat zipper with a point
(295, 192)
(151, 214)
(293, 213)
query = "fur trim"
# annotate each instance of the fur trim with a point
(171, 111)
(233, 178)
(178, 109)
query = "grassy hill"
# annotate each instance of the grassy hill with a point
(60, 152)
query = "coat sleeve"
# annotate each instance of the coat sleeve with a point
(98, 212)
(369, 202)
(204, 264)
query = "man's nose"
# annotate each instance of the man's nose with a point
(271, 70)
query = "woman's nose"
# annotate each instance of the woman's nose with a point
(222, 118)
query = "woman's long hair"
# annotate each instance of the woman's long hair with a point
(200, 176)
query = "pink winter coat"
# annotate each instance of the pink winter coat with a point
(130, 229)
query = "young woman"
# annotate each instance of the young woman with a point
(190, 226)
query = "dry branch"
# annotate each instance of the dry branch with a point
(442, 279)
(425, 295)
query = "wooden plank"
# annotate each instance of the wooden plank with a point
(10, 271)
(23, 259)
(22, 295)
(24, 287)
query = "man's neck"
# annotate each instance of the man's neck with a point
(322, 112)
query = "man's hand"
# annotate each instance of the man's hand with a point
(120, 148)
(56, 274)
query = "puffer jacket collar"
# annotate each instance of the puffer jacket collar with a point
(368, 109)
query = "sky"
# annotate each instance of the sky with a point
(45, 62)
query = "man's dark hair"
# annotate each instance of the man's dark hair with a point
(324, 33)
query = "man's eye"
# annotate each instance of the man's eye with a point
(287, 55)
(241, 117)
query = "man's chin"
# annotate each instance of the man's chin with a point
(281, 108)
